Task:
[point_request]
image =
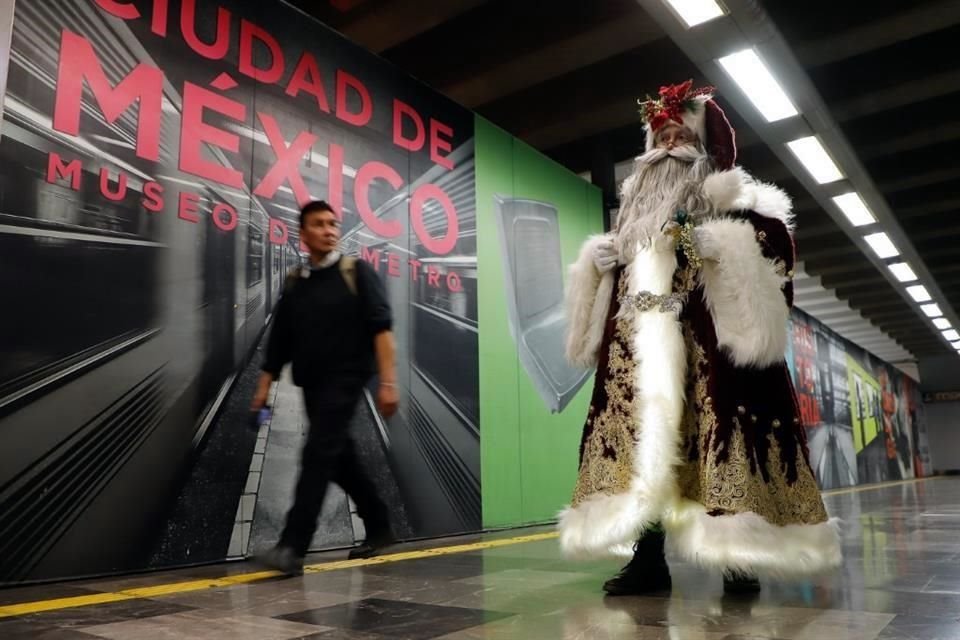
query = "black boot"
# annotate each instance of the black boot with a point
(374, 545)
(283, 559)
(647, 572)
(737, 583)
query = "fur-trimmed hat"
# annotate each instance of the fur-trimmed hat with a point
(696, 109)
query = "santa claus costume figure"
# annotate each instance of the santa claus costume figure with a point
(693, 439)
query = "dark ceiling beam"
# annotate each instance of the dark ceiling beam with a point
(931, 255)
(893, 302)
(863, 273)
(894, 323)
(928, 208)
(388, 24)
(926, 137)
(873, 279)
(862, 294)
(913, 345)
(583, 124)
(948, 271)
(612, 85)
(833, 252)
(805, 203)
(944, 233)
(831, 269)
(897, 319)
(807, 232)
(554, 60)
(875, 35)
(925, 87)
(593, 100)
(949, 174)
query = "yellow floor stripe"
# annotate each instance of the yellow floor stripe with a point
(41, 606)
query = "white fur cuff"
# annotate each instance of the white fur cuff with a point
(588, 301)
(744, 293)
(749, 543)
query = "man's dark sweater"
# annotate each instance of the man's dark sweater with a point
(326, 330)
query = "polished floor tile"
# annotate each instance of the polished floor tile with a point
(900, 581)
(82, 617)
(266, 599)
(393, 619)
(199, 625)
(22, 629)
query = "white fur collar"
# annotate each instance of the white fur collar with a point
(737, 190)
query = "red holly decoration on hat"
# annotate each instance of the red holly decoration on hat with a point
(673, 101)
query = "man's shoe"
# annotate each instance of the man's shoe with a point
(736, 582)
(647, 571)
(372, 546)
(282, 559)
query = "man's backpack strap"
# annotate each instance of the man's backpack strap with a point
(291, 280)
(348, 269)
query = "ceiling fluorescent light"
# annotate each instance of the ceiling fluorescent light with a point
(919, 293)
(955, 345)
(694, 12)
(942, 323)
(758, 84)
(932, 310)
(903, 272)
(951, 334)
(881, 245)
(818, 163)
(854, 208)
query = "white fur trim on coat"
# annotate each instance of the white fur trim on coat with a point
(737, 190)
(749, 543)
(743, 292)
(605, 525)
(588, 301)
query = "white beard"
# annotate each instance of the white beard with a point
(662, 182)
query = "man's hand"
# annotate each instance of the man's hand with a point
(262, 393)
(605, 256)
(388, 399)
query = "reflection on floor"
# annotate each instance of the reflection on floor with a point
(901, 579)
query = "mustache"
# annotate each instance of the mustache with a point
(688, 153)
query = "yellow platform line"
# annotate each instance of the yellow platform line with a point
(41, 606)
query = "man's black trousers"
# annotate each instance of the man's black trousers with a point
(330, 456)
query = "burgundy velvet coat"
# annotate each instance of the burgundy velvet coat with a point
(694, 422)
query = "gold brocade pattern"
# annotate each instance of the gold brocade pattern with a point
(607, 464)
(729, 486)
(718, 477)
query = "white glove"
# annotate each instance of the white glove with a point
(605, 256)
(703, 242)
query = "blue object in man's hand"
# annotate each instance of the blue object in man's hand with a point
(258, 418)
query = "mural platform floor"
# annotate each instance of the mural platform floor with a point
(900, 579)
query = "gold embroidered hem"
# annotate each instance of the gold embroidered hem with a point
(726, 477)
(607, 450)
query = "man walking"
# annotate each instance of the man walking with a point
(333, 323)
